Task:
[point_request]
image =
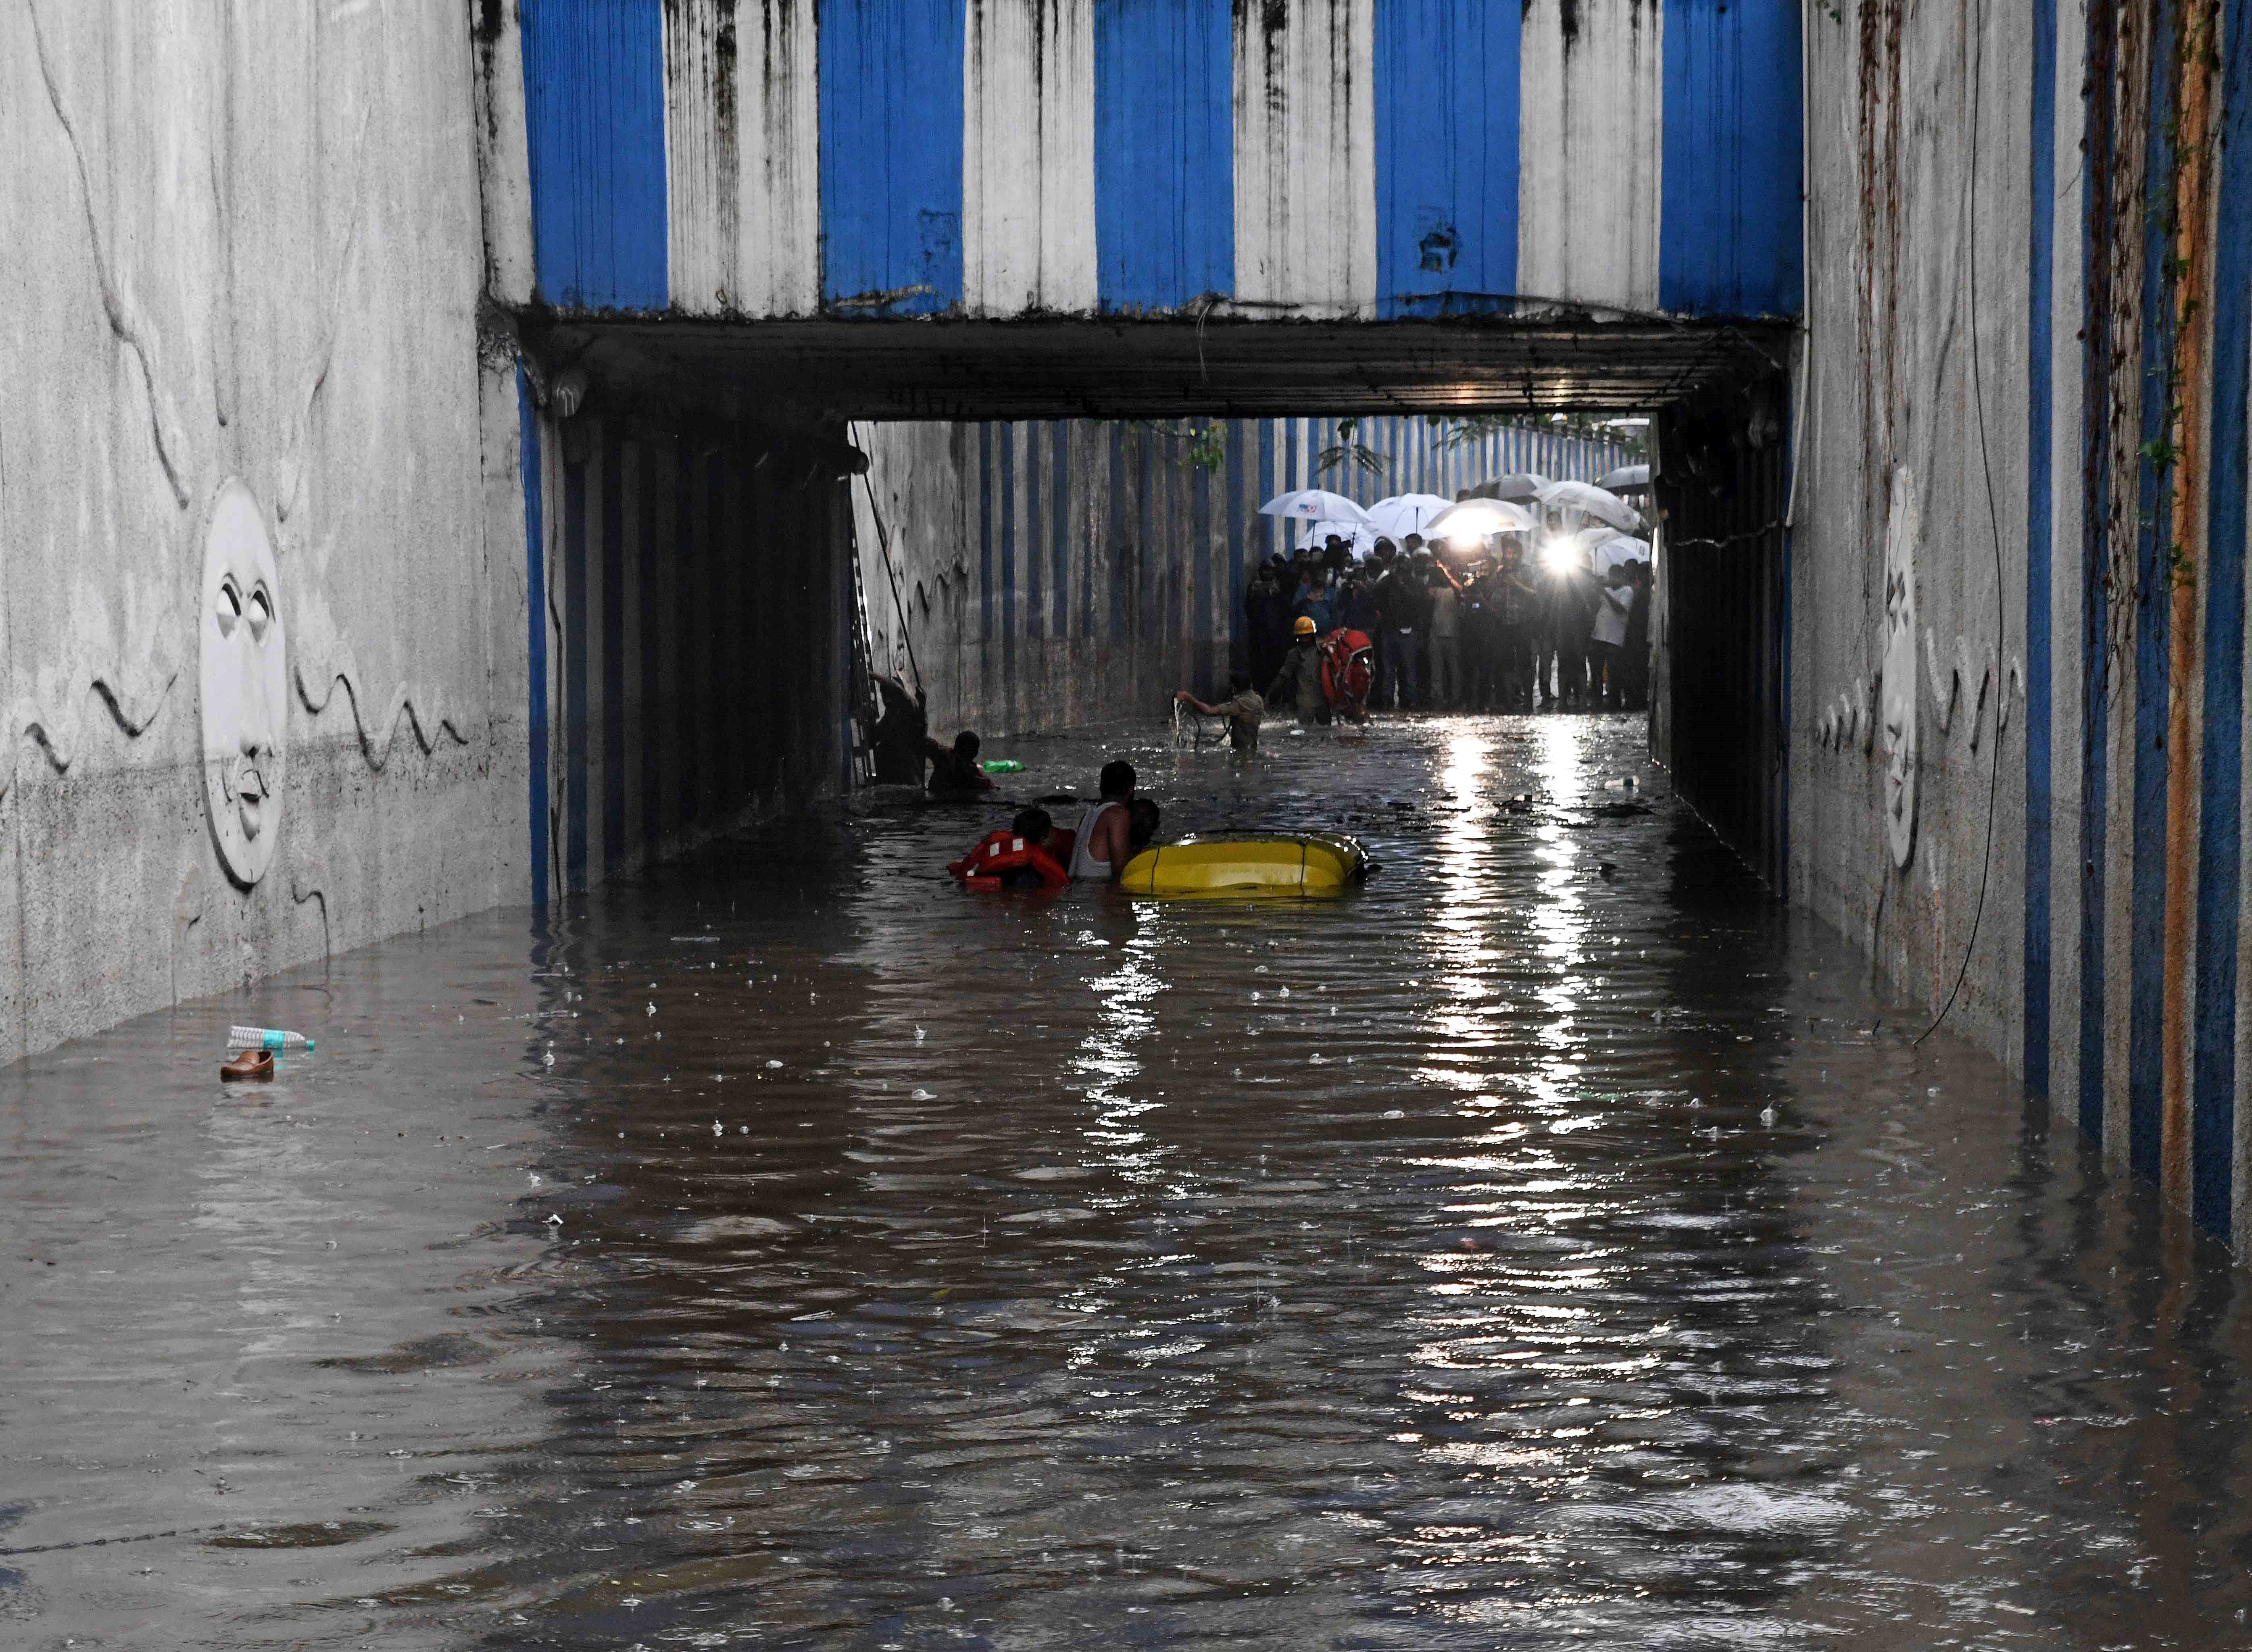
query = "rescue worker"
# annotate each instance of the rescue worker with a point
(1244, 708)
(1299, 682)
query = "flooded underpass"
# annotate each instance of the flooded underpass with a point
(1551, 1243)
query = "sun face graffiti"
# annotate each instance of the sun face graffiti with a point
(244, 683)
(1897, 704)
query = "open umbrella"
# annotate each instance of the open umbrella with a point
(1522, 485)
(1315, 504)
(1315, 535)
(1626, 479)
(1403, 514)
(1479, 519)
(1616, 550)
(1591, 501)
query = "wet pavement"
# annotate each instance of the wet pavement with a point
(1552, 1243)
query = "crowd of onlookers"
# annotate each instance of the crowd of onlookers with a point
(1486, 631)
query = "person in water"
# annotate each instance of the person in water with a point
(954, 770)
(900, 741)
(1141, 818)
(1243, 708)
(1016, 858)
(1104, 843)
(1299, 682)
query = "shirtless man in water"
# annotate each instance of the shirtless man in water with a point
(1105, 844)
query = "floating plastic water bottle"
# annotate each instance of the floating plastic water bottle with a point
(266, 1038)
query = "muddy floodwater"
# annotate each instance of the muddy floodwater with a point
(1552, 1244)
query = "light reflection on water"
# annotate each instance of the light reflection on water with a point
(1418, 1270)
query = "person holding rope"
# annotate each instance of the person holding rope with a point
(1244, 708)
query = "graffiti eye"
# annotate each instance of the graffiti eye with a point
(261, 612)
(229, 608)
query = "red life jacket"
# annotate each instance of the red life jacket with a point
(1346, 675)
(1001, 853)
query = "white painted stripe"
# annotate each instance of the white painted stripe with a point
(1590, 138)
(1305, 158)
(1028, 156)
(742, 157)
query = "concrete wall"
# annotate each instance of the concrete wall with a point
(1339, 159)
(2013, 393)
(245, 256)
(1052, 574)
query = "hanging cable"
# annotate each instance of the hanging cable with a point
(891, 574)
(1993, 523)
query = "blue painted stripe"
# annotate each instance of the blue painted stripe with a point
(891, 155)
(1036, 565)
(614, 653)
(985, 586)
(1728, 215)
(2154, 518)
(1239, 546)
(574, 676)
(1445, 87)
(535, 638)
(1164, 153)
(1266, 482)
(689, 617)
(1117, 530)
(2095, 652)
(1059, 439)
(2220, 849)
(652, 656)
(593, 115)
(2040, 436)
(1007, 442)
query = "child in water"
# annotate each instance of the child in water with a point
(1016, 858)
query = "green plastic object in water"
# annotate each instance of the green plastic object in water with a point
(1002, 766)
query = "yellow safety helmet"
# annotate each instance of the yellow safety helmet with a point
(1303, 626)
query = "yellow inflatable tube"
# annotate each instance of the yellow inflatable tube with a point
(1318, 863)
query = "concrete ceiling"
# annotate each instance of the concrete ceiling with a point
(1063, 368)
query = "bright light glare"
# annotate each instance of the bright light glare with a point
(1555, 555)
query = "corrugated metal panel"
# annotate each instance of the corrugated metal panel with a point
(1592, 92)
(1165, 186)
(742, 151)
(593, 79)
(1305, 172)
(1729, 230)
(2221, 892)
(891, 155)
(1028, 157)
(1446, 113)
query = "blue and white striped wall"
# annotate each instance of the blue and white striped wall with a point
(1349, 159)
(1052, 574)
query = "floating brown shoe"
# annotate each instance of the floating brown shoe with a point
(251, 1063)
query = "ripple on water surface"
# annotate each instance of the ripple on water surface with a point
(1548, 1245)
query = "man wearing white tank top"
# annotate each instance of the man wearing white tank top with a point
(1103, 845)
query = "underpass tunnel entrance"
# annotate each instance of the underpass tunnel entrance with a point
(780, 560)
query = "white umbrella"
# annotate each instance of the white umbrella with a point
(1403, 514)
(1315, 535)
(1523, 485)
(1591, 501)
(1315, 504)
(1480, 519)
(1616, 550)
(1626, 479)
